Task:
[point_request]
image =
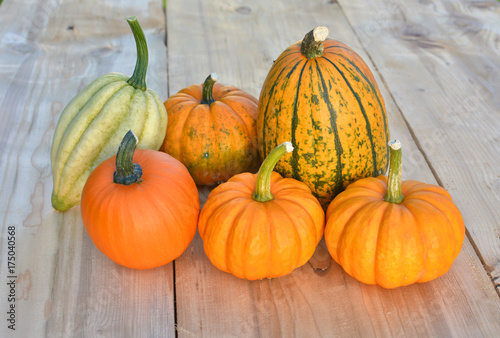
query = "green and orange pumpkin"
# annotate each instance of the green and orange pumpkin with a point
(212, 131)
(322, 96)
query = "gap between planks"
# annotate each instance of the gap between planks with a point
(165, 41)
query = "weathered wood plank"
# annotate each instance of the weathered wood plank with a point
(239, 42)
(65, 287)
(443, 71)
(49, 51)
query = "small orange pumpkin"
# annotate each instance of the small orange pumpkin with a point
(140, 207)
(212, 131)
(258, 226)
(394, 233)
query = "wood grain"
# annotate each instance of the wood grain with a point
(436, 62)
(443, 72)
(50, 50)
(239, 42)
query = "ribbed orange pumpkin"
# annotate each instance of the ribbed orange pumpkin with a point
(322, 96)
(261, 226)
(392, 233)
(212, 131)
(143, 214)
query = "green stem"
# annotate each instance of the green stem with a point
(394, 192)
(312, 44)
(263, 185)
(207, 96)
(138, 78)
(127, 172)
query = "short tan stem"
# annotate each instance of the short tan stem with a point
(312, 44)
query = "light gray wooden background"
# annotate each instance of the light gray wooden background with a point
(437, 63)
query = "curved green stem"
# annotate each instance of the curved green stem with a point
(394, 192)
(263, 185)
(138, 78)
(127, 172)
(207, 96)
(312, 44)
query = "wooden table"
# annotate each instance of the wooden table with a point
(437, 63)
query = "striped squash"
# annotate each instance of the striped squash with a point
(94, 122)
(322, 96)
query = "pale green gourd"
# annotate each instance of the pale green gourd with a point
(93, 124)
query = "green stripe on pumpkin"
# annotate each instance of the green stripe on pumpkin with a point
(374, 91)
(333, 123)
(295, 153)
(363, 112)
(270, 96)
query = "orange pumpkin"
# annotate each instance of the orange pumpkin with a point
(141, 214)
(261, 225)
(212, 130)
(391, 232)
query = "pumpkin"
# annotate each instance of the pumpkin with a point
(91, 126)
(212, 130)
(322, 96)
(140, 207)
(391, 232)
(257, 226)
